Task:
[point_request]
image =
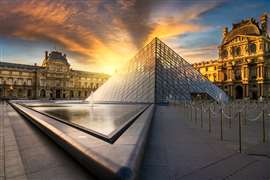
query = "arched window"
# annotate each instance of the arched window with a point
(29, 93)
(224, 54)
(71, 94)
(236, 51)
(252, 48)
(42, 93)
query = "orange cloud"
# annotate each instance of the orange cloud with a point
(166, 30)
(41, 21)
(198, 54)
(99, 36)
(178, 23)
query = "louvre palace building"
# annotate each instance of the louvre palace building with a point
(243, 67)
(54, 79)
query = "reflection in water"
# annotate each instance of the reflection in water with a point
(103, 118)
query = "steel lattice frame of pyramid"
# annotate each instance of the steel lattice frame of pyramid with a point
(156, 74)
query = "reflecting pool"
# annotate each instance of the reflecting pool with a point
(102, 118)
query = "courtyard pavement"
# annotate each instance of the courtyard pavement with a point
(179, 150)
(176, 150)
(26, 153)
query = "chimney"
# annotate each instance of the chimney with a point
(264, 23)
(46, 54)
(225, 32)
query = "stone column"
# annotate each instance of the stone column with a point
(245, 90)
(261, 91)
(232, 91)
(247, 93)
(229, 72)
(220, 74)
(258, 90)
(260, 71)
(257, 72)
(246, 72)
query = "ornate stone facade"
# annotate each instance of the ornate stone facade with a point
(243, 67)
(54, 79)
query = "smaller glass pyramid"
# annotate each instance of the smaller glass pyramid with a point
(156, 74)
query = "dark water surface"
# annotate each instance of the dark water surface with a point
(102, 118)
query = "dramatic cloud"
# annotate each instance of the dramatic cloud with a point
(99, 33)
(199, 54)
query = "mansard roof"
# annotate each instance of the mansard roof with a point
(19, 66)
(205, 63)
(90, 73)
(246, 27)
(57, 56)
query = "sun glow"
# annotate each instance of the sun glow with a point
(109, 62)
(110, 58)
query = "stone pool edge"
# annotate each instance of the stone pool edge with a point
(101, 167)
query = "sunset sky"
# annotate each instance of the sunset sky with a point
(100, 35)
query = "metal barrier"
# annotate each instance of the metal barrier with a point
(246, 118)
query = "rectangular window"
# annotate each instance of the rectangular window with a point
(20, 82)
(237, 74)
(253, 74)
(29, 82)
(9, 81)
(15, 73)
(5, 72)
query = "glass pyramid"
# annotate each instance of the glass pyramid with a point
(156, 74)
